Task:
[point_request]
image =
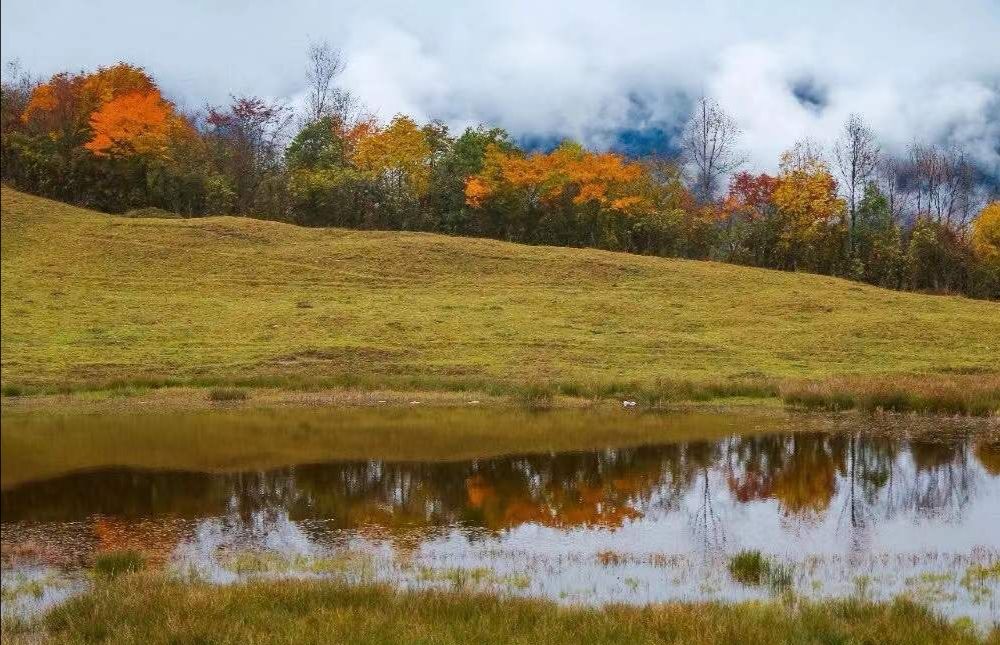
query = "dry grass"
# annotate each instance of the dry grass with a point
(969, 394)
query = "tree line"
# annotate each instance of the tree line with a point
(110, 140)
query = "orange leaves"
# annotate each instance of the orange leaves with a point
(120, 106)
(108, 83)
(603, 179)
(134, 123)
(476, 191)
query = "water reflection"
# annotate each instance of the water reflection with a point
(802, 474)
(840, 505)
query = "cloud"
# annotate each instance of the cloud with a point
(611, 74)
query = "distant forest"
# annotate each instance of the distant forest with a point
(110, 140)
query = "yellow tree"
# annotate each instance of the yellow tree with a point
(397, 154)
(986, 234)
(813, 214)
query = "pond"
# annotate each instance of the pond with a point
(588, 507)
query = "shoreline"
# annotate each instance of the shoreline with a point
(963, 395)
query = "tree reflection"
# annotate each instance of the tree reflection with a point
(801, 473)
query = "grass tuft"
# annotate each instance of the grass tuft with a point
(111, 564)
(222, 394)
(753, 569)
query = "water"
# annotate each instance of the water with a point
(648, 508)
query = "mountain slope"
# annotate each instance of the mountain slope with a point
(89, 298)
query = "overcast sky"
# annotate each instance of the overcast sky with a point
(784, 69)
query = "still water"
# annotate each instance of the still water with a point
(647, 508)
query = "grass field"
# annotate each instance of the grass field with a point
(145, 609)
(92, 301)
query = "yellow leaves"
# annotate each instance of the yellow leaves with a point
(399, 153)
(134, 123)
(986, 233)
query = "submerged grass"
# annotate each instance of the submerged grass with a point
(95, 302)
(145, 609)
(753, 569)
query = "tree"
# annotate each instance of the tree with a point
(248, 137)
(857, 155)
(16, 89)
(812, 213)
(325, 98)
(986, 233)
(986, 246)
(943, 181)
(747, 214)
(877, 242)
(134, 123)
(709, 143)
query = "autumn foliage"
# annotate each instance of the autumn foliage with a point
(110, 140)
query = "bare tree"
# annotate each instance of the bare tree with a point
(857, 154)
(326, 99)
(804, 155)
(16, 87)
(889, 174)
(709, 143)
(943, 182)
(325, 64)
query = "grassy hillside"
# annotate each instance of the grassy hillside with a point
(89, 299)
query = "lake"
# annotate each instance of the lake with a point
(577, 506)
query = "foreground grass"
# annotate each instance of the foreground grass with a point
(146, 609)
(91, 301)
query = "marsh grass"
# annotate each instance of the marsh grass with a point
(953, 394)
(111, 564)
(222, 394)
(753, 569)
(146, 609)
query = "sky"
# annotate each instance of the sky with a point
(616, 75)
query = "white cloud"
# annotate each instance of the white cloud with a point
(922, 68)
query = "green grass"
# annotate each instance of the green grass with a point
(114, 563)
(143, 609)
(92, 301)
